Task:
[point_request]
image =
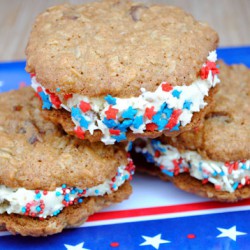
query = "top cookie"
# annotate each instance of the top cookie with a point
(36, 154)
(225, 134)
(116, 47)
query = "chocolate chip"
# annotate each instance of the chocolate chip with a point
(17, 108)
(136, 11)
(22, 131)
(33, 139)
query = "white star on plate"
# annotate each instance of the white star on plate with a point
(153, 241)
(230, 233)
(76, 247)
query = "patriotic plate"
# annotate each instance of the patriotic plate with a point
(157, 216)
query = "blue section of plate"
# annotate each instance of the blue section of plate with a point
(227, 230)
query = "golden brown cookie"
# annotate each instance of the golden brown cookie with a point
(44, 171)
(122, 69)
(213, 161)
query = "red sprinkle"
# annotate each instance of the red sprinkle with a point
(114, 131)
(217, 187)
(111, 113)
(39, 89)
(79, 133)
(32, 74)
(67, 96)
(204, 181)
(166, 87)
(151, 126)
(157, 153)
(37, 191)
(84, 106)
(55, 100)
(210, 66)
(45, 192)
(174, 118)
(149, 112)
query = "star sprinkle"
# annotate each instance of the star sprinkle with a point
(149, 112)
(231, 233)
(79, 133)
(155, 241)
(111, 113)
(151, 126)
(209, 66)
(84, 106)
(110, 100)
(174, 119)
(166, 87)
(187, 105)
(176, 93)
(129, 113)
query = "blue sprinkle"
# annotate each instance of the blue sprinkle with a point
(80, 200)
(176, 93)
(80, 191)
(58, 193)
(38, 209)
(214, 173)
(120, 137)
(110, 99)
(156, 144)
(168, 112)
(109, 123)
(124, 125)
(56, 212)
(23, 210)
(129, 146)
(160, 120)
(244, 166)
(222, 173)
(186, 105)
(97, 191)
(38, 196)
(46, 102)
(235, 185)
(73, 191)
(176, 127)
(58, 89)
(64, 185)
(164, 171)
(138, 121)
(129, 113)
(76, 113)
(114, 186)
(84, 123)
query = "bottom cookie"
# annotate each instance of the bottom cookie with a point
(71, 216)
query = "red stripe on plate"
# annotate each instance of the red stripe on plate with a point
(165, 210)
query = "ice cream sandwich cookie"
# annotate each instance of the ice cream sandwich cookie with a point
(116, 70)
(214, 161)
(48, 179)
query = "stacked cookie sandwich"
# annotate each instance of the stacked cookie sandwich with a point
(214, 160)
(115, 70)
(105, 72)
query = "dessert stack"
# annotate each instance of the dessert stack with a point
(103, 74)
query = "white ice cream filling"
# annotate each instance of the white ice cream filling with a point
(38, 203)
(226, 176)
